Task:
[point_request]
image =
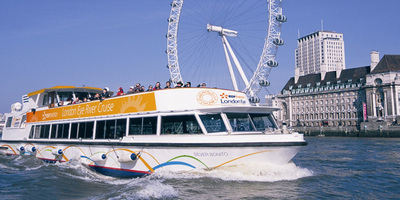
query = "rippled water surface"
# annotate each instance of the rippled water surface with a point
(328, 168)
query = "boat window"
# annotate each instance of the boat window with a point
(121, 128)
(82, 95)
(82, 130)
(64, 96)
(240, 122)
(184, 124)
(100, 129)
(262, 121)
(42, 131)
(45, 131)
(74, 131)
(53, 133)
(86, 130)
(46, 100)
(49, 99)
(213, 123)
(62, 130)
(23, 120)
(110, 129)
(9, 121)
(31, 132)
(143, 126)
(37, 131)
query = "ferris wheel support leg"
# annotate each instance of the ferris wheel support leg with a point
(236, 61)
(228, 61)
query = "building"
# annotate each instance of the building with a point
(343, 97)
(320, 52)
(382, 89)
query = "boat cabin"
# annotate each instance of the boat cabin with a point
(44, 99)
(61, 95)
(44, 115)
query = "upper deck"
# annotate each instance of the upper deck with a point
(167, 100)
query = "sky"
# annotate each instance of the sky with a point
(46, 43)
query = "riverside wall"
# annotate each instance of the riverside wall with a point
(366, 129)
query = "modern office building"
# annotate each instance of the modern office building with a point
(319, 52)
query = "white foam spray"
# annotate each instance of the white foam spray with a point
(246, 172)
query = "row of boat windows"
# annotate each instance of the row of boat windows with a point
(182, 124)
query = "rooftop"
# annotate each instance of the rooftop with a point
(353, 75)
(388, 63)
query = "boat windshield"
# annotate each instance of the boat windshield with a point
(181, 124)
(241, 122)
(213, 123)
(64, 96)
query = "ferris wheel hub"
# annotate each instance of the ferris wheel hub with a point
(221, 31)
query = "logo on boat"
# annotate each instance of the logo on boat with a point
(207, 97)
(49, 115)
(232, 99)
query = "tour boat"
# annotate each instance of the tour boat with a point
(135, 134)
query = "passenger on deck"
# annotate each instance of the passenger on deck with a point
(61, 103)
(96, 97)
(131, 90)
(69, 100)
(142, 89)
(167, 85)
(179, 84)
(150, 88)
(138, 88)
(157, 86)
(203, 85)
(188, 84)
(77, 100)
(120, 91)
(85, 99)
(105, 94)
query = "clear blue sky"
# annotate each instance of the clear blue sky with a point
(118, 43)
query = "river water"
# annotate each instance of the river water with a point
(328, 168)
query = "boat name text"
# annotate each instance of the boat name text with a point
(88, 109)
(210, 154)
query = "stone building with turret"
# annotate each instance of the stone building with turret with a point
(344, 97)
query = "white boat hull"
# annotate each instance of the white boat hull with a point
(139, 158)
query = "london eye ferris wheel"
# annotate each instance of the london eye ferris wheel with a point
(210, 40)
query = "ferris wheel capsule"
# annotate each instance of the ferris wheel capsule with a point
(281, 18)
(174, 4)
(264, 83)
(278, 41)
(272, 63)
(254, 99)
(169, 51)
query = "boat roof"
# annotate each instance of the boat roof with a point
(64, 88)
